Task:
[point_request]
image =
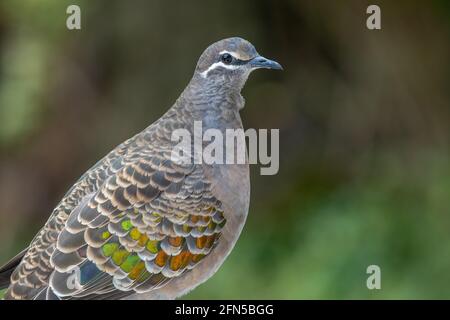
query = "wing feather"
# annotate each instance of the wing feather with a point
(150, 222)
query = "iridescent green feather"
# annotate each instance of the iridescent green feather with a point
(130, 262)
(109, 248)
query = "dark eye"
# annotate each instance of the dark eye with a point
(226, 58)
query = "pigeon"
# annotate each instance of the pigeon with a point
(141, 224)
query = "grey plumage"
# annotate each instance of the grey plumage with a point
(137, 224)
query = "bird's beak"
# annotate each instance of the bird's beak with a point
(261, 62)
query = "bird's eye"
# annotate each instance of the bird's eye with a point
(227, 58)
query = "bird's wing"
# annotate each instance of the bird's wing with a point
(33, 272)
(8, 268)
(150, 222)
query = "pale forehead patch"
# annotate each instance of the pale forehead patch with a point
(234, 54)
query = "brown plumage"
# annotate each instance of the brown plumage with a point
(138, 224)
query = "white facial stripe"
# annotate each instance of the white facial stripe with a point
(204, 74)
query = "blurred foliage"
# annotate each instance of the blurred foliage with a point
(363, 117)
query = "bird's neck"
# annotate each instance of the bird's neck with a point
(214, 103)
(216, 108)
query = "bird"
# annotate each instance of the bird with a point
(138, 224)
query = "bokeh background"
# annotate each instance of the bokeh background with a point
(363, 116)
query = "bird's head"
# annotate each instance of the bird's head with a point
(229, 62)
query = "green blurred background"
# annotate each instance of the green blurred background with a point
(363, 116)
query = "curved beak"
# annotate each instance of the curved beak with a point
(261, 62)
